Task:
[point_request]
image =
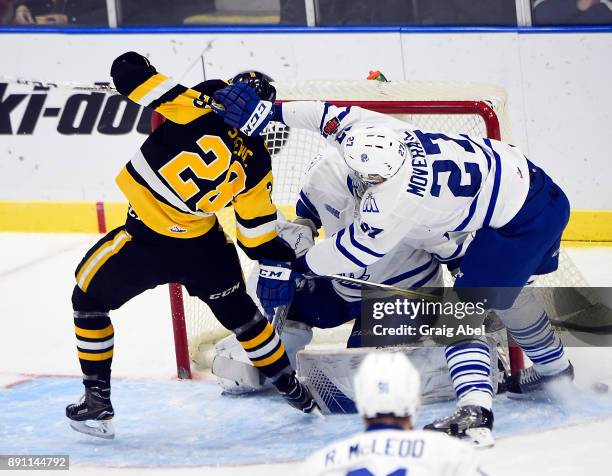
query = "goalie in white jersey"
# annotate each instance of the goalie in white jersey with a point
(425, 185)
(387, 394)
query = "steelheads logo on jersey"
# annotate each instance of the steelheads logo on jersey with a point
(369, 204)
(74, 114)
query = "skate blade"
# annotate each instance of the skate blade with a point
(317, 413)
(552, 392)
(535, 396)
(479, 437)
(98, 428)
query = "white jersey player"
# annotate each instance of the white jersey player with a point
(424, 185)
(331, 197)
(387, 394)
(421, 197)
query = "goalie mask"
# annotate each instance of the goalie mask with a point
(260, 83)
(387, 384)
(375, 154)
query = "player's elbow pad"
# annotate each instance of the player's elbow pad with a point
(274, 250)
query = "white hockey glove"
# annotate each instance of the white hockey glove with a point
(299, 234)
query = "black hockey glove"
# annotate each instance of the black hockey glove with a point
(129, 70)
(275, 286)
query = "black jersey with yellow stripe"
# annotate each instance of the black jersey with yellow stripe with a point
(194, 165)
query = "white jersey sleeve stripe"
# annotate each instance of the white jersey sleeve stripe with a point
(484, 151)
(496, 184)
(308, 204)
(323, 117)
(345, 252)
(470, 214)
(452, 256)
(360, 246)
(359, 251)
(427, 278)
(343, 114)
(408, 274)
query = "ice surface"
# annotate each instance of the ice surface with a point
(174, 426)
(193, 424)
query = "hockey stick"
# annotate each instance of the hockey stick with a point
(97, 87)
(280, 316)
(384, 287)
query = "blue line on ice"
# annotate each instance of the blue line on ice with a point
(192, 424)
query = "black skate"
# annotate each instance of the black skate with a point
(471, 423)
(296, 393)
(93, 413)
(529, 384)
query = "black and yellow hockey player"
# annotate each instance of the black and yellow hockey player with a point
(189, 169)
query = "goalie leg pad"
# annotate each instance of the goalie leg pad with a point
(233, 369)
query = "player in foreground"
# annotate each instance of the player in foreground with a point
(387, 394)
(190, 168)
(422, 185)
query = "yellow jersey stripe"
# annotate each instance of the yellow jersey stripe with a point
(147, 87)
(158, 216)
(95, 357)
(94, 333)
(99, 257)
(181, 109)
(255, 341)
(270, 360)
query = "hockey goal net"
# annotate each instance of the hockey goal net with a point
(471, 108)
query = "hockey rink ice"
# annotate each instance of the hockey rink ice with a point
(172, 426)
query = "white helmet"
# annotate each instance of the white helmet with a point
(374, 153)
(387, 384)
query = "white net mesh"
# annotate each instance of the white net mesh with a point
(292, 150)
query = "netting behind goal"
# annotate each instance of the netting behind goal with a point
(470, 108)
